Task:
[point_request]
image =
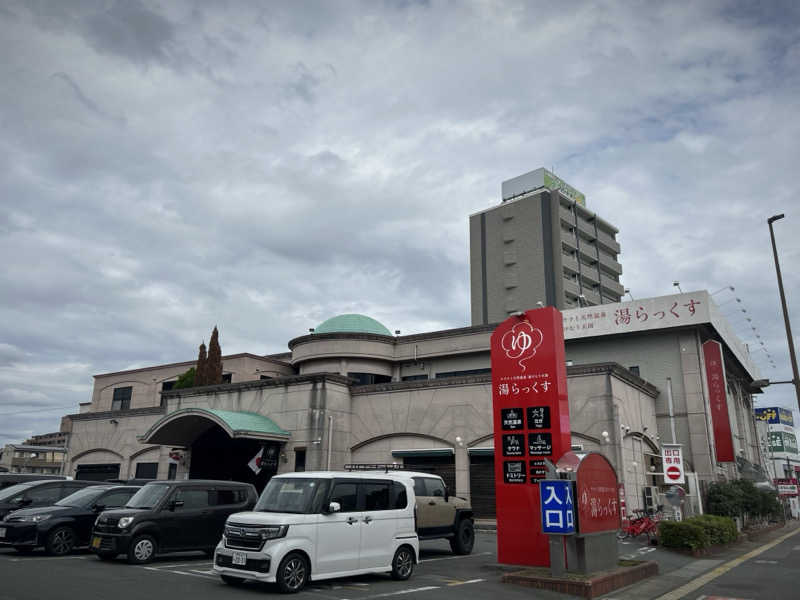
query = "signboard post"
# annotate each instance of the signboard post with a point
(531, 425)
(558, 519)
(672, 459)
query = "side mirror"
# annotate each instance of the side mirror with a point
(20, 501)
(334, 507)
(175, 504)
(98, 507)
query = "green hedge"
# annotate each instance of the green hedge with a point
(720, 530)
(697, 533)
(682, 534)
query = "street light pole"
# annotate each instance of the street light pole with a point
(792, 357)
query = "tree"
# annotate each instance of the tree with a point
(201, 377)
(214, 365)
(186, 380)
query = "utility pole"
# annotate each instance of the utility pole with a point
(792, 356)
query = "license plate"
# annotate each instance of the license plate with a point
(239, 558)
(95, 542)
(2, 532)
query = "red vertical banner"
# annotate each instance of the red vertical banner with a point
(531, 424)
(715, 378)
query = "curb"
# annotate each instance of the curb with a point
(600, 584)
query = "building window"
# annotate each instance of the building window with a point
(369, 378)
(173, 471)
(167, 385)
(264, 377)
(122, 398)
(414, 377)
(634, 369)
(226, 377)
(463, 373)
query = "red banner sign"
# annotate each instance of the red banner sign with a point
(715, 377)
(531, 424)
(597, 495)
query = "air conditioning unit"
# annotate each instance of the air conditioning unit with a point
(650, 495)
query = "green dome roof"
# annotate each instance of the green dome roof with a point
(352, 324)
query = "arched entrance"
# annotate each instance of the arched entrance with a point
(222, 443)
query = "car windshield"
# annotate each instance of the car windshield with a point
(292, 495)
(82, 498)
(148, 497)
(14, 490)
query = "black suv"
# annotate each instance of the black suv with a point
(65, 525)
(170, 516)
(37, 493)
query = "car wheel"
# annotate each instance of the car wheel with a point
(464, 538)
(61, 541)
(142, 550)
(234, 581)
(403, 563)
(292, 574)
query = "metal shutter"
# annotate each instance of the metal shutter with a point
(97, 472)
(443, 466)
(481, 485)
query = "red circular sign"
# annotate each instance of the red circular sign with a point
(673, 472)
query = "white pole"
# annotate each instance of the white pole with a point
(671, 414)
(330, 440)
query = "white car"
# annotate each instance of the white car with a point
(320, 525)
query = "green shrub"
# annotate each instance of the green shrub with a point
(682, 534)
(720, 530)
(186, 380)
(769, 505)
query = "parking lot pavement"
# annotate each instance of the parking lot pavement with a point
(441, 575)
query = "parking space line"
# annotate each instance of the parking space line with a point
(426, 560)
(178, 572)
(399, 592)
(31, 558)
(465, 582)
(190, 564)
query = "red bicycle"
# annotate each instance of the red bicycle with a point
(642, 523)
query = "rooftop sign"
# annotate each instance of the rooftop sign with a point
(540, 178)
(647, 314)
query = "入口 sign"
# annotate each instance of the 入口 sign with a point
(672, 459)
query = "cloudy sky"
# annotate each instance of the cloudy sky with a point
(168, 166)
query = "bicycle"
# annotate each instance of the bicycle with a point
(644, 523)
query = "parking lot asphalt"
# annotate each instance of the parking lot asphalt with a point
(441, 575)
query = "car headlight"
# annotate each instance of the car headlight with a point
(33, 518)
(272, 532)
(124, 522)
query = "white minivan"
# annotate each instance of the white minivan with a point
(320, 525)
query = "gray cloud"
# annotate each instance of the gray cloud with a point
(265, 166)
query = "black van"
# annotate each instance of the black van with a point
(37, 493)
(66, 524)
(170, 516)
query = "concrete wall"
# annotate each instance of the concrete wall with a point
(147, 383)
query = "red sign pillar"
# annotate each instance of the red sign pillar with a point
(531, 423)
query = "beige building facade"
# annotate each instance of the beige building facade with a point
(350, 392)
